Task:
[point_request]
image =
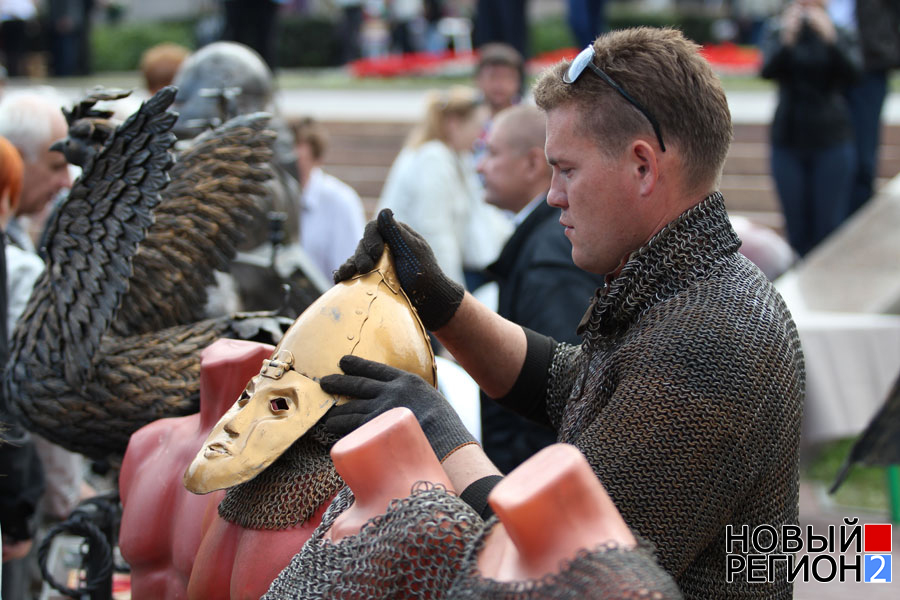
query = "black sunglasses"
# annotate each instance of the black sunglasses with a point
(585, 59)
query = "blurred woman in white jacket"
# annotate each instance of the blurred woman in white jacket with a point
(433, 187)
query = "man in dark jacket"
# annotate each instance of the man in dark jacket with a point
(539, 285)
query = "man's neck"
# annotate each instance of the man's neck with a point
(526, 210)
(305, 176)
(18, 235)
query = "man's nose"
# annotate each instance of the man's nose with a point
(556, 197)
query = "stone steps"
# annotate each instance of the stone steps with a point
(361, 154)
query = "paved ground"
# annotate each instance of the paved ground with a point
(817, 510)
(385, 104)
(407, 105)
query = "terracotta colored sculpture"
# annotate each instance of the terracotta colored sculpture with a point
(380, 462)
(161, 521)
(175, 542)
(396, 531)
(559, 535)
(111, 337)
(240, 563)
(234, 547)
(550, 507)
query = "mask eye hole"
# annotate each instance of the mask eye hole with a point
(278, 404)
(245, 397)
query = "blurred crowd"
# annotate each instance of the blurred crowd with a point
(468, 189)
(61, 27)
(831, 60)
(52, 37)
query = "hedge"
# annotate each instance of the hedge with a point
(313, 41)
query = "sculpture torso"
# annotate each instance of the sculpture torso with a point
(175, 542)
(237, 563)
(160, 531)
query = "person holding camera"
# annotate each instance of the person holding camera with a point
(813, 153)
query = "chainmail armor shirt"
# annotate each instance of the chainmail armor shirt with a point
(414, 550)
(607, 572)
(686, 397)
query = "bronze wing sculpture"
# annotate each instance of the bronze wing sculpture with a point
(111, 337)
(879, 444)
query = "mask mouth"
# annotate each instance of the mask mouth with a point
(216, 450)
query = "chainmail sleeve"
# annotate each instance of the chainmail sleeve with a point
(414, 550)
(679, 471)
(608, 572)
(568, 361)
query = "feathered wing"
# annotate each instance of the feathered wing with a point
(111, 337)
(879, 444)
(215, 185)
(136, 381)
(92, 240)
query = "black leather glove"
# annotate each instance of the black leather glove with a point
(377, 388)
(434, 295)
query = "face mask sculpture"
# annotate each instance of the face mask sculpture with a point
(369, 316)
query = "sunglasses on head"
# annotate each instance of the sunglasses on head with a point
(585, 59)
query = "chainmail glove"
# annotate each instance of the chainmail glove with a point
(434, 295)
(376, 388)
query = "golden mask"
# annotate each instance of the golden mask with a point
(368, 315)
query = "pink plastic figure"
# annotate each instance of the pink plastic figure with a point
(175, 541)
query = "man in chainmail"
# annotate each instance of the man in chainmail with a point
(686, 394)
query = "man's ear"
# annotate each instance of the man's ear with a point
(644, 165)
(537, 162)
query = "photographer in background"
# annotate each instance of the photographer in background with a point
(813, 153)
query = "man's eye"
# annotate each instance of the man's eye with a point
(245, 397)
(278, 404)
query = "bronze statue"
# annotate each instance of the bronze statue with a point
(879, 444)
(111, 337)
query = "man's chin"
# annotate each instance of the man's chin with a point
(493, 202)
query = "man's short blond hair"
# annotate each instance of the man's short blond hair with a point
(664, 72)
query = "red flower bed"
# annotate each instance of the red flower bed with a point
(407, 65)
(725, 58)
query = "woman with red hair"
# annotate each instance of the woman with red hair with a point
(11, 169)
(22, 267)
